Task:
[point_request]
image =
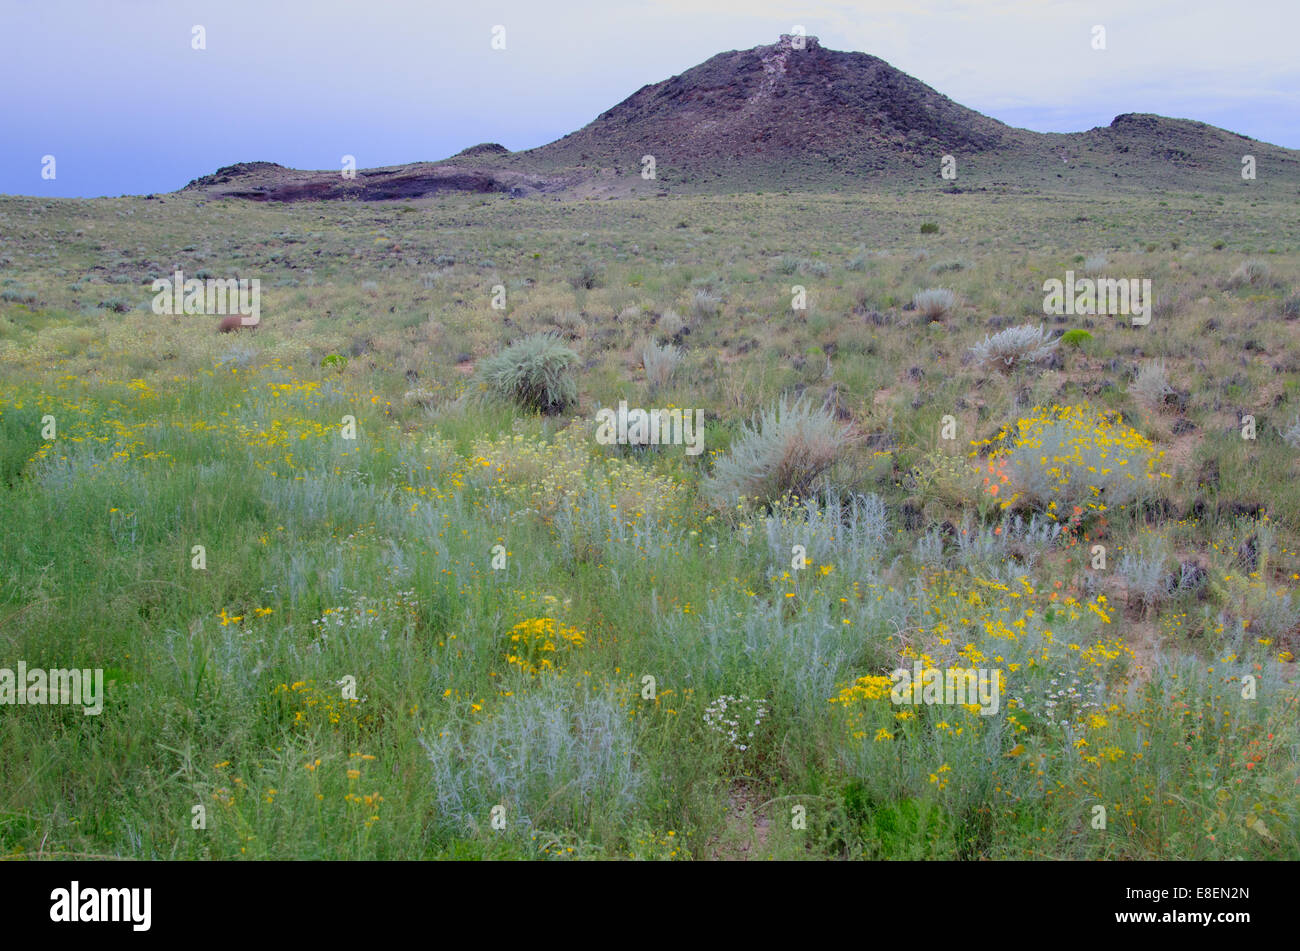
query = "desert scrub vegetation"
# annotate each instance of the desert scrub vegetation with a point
(378, 556)
(659, 362)
(1066, 458)
(535, 372)
(935, 303)
(1249, 273)
(780, 452)
(1009, 350)
(1151, 384)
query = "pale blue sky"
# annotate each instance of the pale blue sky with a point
(113, 89)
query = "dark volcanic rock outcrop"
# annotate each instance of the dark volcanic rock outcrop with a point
(794, 114)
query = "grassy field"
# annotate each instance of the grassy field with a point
(645, 667)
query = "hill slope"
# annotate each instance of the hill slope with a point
(796, 115)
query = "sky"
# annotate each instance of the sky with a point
(117, 93)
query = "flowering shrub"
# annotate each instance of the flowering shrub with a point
(1064, 456)
(735, 718)
(535, 644)
(546, 477)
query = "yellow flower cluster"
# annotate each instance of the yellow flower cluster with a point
(1075, 454)
(313, 706)
(535, 644)
(864, 688)
(545, 477)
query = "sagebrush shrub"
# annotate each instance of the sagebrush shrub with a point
(671, 323)
(1248, 273)
(850, 535)
(1151, 385)
(935, 303)
(1095, 264)
(660, 362)
(779, 453)
(1145, 571)
(554, 759)
(588, 276)
(535, 372)
(1291, 435)
(704, 304)
(1009, 349)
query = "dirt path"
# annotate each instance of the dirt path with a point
(745, 837)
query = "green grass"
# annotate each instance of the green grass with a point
(373, 558)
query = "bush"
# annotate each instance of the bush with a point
(660, 362)
(1067, 456)
(705, 304)
(935, 303)
(780, 453)
(852, 536)
(535, 372)
(671, 323)
(1248, 273)
(1009, 349)
(1291, 435)
(1095, 264)
(588, 276)
(1075, 338)
(1145, 571)
(1151, 385)
(557, 761)
(929, 228)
